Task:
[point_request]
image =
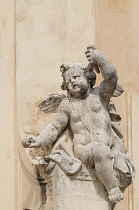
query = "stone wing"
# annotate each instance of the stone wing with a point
(51, 104)
(115, 119)
(118, 91)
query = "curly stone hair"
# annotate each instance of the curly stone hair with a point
(89, 73)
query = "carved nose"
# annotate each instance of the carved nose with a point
(73, 81)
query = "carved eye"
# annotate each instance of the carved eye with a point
(77, 76)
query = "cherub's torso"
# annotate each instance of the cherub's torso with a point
(89, 119)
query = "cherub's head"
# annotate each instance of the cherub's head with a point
(77, 78)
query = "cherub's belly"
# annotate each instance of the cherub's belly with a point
(84, 147)
(88, 137)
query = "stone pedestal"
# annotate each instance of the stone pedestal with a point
(80, 192)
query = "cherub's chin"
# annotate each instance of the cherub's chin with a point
(76, 88)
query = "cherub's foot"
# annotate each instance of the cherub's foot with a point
(115, 195)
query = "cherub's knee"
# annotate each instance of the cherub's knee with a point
(102, 153)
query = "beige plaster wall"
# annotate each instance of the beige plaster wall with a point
(7, 104)
(134, 128)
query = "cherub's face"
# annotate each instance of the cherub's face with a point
(76, 82)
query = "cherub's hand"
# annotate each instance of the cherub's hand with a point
(35, 144)
(31, 141)
(90, 54)
(91, 57)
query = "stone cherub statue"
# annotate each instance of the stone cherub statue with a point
(91, 118)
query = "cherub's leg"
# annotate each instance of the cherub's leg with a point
(103, 161)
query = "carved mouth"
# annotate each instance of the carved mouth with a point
(75, 86)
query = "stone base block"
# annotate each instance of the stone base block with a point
(79, 192)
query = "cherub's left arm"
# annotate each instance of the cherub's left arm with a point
(108, 71)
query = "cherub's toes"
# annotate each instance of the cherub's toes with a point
(116, 198)
(115, 195)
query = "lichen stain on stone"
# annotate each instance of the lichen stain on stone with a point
(35, 113)
(23, 16)
(35, 1)
(49, 190)
(3, 23)
(119, 5)
(38, 152)
(37, 119)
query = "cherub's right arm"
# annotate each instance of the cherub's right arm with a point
(51, 133)
(108, 71)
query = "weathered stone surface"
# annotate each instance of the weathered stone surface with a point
(68, 164)
(84, 191)
(93, 125)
